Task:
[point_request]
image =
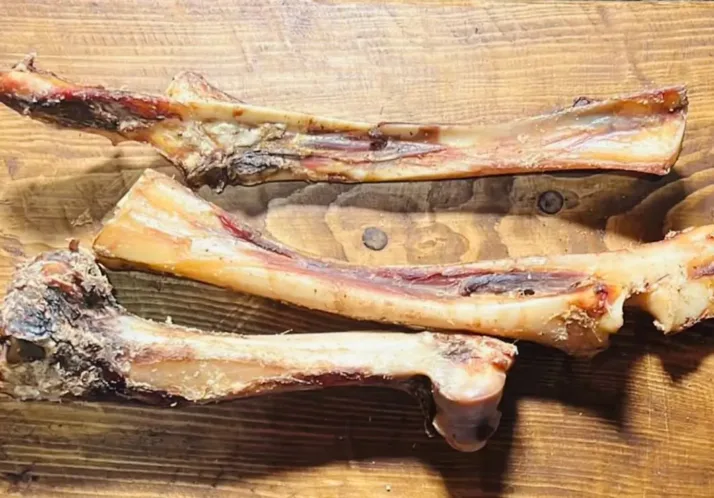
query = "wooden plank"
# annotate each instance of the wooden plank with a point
(636, 421)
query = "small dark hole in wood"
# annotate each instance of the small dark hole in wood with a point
(528, 292)
(550, 202)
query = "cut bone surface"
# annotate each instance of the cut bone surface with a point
(572, 302)
(217, 140)
(64, 335)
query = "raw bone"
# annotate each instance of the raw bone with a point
(64, 335)
(572, 302)
(217, 140)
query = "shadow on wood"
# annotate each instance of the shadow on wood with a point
(609, 192)
(62, 206)
(52, 209)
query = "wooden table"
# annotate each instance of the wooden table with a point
(638, 420)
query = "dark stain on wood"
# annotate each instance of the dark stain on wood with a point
(20, 480)
(13, 166)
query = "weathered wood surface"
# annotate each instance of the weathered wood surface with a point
(636, 421)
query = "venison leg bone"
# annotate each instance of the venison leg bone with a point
(571, 302)
(64, 335)
(217, 140)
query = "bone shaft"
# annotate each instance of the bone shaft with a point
(164, 227)
(201, 366)
(217, 140)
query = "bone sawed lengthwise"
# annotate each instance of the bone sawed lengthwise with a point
(217, 140)
(571, 302)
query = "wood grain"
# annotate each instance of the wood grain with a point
(638, 420)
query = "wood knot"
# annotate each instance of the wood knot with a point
(550, 202)
(374, 238)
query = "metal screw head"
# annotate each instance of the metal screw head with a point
(550, 202)
(374, 238)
